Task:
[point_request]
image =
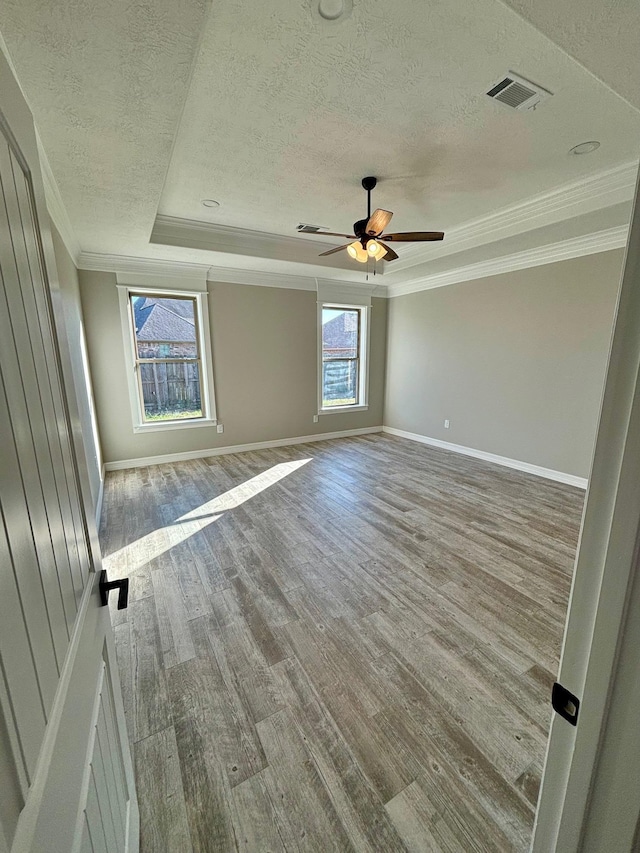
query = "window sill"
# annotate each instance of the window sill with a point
(343, 409)
(171, 425)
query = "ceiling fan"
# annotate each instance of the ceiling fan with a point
(370, 241)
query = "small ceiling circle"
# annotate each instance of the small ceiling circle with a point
(210, 202)
(334, 10)
(585, 147)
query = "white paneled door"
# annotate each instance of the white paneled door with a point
(66, 781)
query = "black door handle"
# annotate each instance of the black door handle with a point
(106, 585)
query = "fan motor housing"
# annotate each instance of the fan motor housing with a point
(359, 227)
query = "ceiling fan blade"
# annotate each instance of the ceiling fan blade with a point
(327, 234)
(378, 222)
(414, 236)
(331, 251)
(391, 255)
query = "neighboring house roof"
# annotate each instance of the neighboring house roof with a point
(164, 320)
(341, 333)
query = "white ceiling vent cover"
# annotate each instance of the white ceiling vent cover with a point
(516, 92)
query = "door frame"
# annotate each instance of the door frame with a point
(582, 799)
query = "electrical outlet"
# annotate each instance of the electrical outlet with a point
(315, 419)
(447, 424)
(220, 428)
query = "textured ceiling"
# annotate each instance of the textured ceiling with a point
(106, 81)
(145, 108)
(603, 35)
(282, 119)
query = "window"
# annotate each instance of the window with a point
(343, 362)
(169, 385)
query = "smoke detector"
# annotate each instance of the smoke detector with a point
(517, 93)
(332, 11)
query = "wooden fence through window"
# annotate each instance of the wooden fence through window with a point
(171, 385)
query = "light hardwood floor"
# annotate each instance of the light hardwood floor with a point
(339, 646)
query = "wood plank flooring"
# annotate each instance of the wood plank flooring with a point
(339, 646)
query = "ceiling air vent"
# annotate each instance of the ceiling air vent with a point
(309, 229)
(518, 93)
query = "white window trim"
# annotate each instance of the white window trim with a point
(206, 380)
(365, 342)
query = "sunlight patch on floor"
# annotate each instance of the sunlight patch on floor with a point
(132, 557)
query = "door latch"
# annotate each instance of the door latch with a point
(106, 586)
(565, 703)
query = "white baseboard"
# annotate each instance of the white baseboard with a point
(548, 473)
(234, 448)
(100, 497)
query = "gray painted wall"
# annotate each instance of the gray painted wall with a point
(516, 362)
(265, 370)
(70, 294)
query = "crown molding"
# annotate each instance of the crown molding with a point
(122, 264)
(213, 235)
(55, 205)
(228, 239)
(143, 266)
(577, 198)
(259, 278)
(588, 244)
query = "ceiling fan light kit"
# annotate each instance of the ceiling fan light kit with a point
(376, 250)
(368, 234)
(356, 251)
